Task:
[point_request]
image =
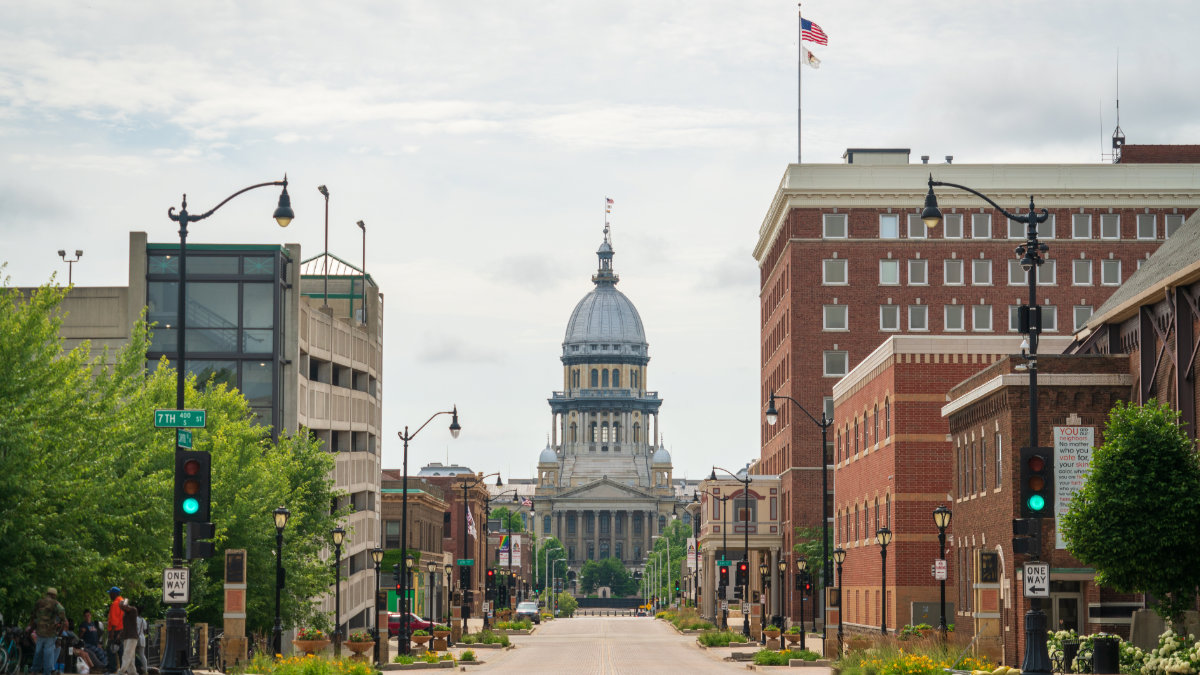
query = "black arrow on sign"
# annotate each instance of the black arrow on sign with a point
(174, 594)
(1036, 590)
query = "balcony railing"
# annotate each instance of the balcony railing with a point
(604, 393)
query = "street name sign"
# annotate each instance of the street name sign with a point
(466, 562)
(175, 587)
(1037, 580)
(174, 419)
(185, 439)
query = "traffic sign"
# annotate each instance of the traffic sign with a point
(185, 439)
(939, 569)
(1037, 580)
(465, 561)
(178, 418)
(175, 587)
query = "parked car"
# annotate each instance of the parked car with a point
(527, 610)
(414, 623)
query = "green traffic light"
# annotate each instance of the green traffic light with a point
(190, 505)
(1036, 502)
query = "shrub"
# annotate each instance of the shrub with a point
(262, 664)
(360, 636)
(921, 657)
(795, 630)
(467, 655)
(720, 638)
(420, 631)
(769, 657)
(310, 634)
(469, 638)
(403, 659)
(430, 657)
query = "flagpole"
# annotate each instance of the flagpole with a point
(799, 74)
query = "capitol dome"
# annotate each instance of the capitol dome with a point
(661, 456)
(605, 322)
(548, 455)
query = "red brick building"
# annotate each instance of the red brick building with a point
(845, 262)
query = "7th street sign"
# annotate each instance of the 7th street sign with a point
(179, 418)
(175, 589)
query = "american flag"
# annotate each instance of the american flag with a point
(608, 204)
(813, 33)
(527, 502)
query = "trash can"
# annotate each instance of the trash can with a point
(1106, 654)
(1070, 651)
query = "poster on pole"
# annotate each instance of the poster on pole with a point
(516, 550)
(1072, 463)
(691, 554)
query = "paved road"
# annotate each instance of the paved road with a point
(606, 646)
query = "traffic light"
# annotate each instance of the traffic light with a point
(743, 573)
(1037, 483)
(737, 592)
(1027, 536)
(193, 486)
(799, 581)
(490, 584)
(196, 546)
(396, 575)
(808, 588)
(724, 575)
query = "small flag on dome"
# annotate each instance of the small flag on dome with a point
(608, 204)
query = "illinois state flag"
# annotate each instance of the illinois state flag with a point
(810, 58)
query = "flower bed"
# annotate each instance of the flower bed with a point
(914, 658)
(262, 664)
(720, 638)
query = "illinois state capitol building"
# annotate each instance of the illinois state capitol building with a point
(604, 485)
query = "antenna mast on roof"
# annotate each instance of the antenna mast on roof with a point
(1118, 137)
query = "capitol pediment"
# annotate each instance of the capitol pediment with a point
(604, 488)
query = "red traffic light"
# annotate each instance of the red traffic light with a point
(743, 567)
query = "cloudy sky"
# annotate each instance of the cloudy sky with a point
(478, 141)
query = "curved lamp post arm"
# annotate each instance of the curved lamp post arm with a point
(824, 422)
(1040, 218)
(183, 214)
(405, 436)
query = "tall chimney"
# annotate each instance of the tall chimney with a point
(949, 159)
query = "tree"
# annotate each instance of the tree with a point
(607, 572)
(1136, 519)
(808, 544)
(567, 604)
(552, 548)
(510, 521)
(86, 480)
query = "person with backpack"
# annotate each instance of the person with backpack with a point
(49, 618)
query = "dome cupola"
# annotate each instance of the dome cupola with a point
(605, 323)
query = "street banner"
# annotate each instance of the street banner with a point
(516, 550)
(1072, 463)
(691, 553)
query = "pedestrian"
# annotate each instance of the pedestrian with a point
(142, 664)
(49, 617)
(89, 630)
(116, 624)
(129, 639)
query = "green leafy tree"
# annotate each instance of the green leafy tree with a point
(567, 604)
(551, 548)
(808, 544)
(607, 572)
(1136, 519)
(669, 549)
(510, 521)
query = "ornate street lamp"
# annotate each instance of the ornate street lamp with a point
(377, 558)
(802, 571)
(839, 557)
(339, 535)
(281, 515)
(883, 537)
(941, 519)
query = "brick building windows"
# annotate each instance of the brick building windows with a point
(981, 272)
(836, 363)
(1174, 221)
(889, 272)
(889, 226)
(1110, 272)
(998, 445)
(981, 226)
(983, 465)
(836, 317)
(918, 272)
(954, 318)
(1081, 313)
(1110, 226)
(1081, 226)
(889, 317)
(916, 226)
(918, 317)
(1147, 228)
(952, 272)
(833, 226)
(1081, 272)
(981, 318)
(834, 272)
(887, 419)
(952, 226)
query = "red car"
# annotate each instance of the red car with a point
(414, 623)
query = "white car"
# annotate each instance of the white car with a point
(527, 610)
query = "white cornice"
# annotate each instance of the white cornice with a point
(1052, 186)
(1022, 380)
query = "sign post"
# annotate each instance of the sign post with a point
(175, 587)
(174, 419)
(939, 569)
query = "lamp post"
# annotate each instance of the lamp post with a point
(941, 519)
(464, 573)
(1029, 319)
(487, 513)
(362, 226)
(70, 263)
(339, 535)
(825, 422)
(883, 537)
(746, 531)
(447, 581)
(430, 567)
(839, 557)
(783, 567)
(325, 294)
(377, 558)
(763, 570)
(554, 610)
(455, 429)
(281, 517)
(177, 640)
(408, 599)
(724, 548)
(801, 570)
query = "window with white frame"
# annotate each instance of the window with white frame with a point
(998, 444)
(952, 226)
(1174, 221)
(1110, 272)
(836, 317)
(1046, 230)
(889, 317)
(1081, 272)
(1047, 273)
(981, 317)
(918, 317)
(833, 272)
(918, 272)
(1049, 319)
(834, 226)
(836, 363)
(1013, 320)
(954, 318)
(1081, 314)
(889, 272)
(916, 226)
(981, 226)
(1110, 226)
(952, 272)
(889, 226)
(981, 272)
(1016, 229)
(1147, 228)
(1017, 276)
(1081, 226)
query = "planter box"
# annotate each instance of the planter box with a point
(420, 665)
(801, 663)
(509, 631)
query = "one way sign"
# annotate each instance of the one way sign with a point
(1037, 580)
(176, 589)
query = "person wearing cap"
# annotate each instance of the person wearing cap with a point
(49, 617)
(116, 624)
(129, 640)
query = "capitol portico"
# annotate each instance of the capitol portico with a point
(604, 480)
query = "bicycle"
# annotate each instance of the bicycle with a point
(11, 653)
